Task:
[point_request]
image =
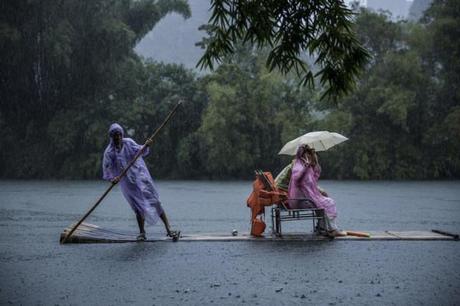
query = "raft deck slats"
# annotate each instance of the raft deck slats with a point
(89, 233)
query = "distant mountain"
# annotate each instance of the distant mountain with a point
(418, 8)
(399, 8)
(173, 39)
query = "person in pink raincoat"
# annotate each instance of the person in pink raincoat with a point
(304, 184)
(137, 185)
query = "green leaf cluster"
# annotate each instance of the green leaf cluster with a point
(290, 30)
(402, 117)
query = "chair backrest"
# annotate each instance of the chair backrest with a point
(265, 180)
(264, 192)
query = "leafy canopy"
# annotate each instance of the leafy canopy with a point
(291, 29)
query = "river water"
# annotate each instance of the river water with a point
(37, 270)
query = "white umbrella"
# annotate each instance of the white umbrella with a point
(319, 140)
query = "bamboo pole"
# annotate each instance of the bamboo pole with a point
(123, 173)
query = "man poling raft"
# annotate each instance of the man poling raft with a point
(139, 190)
(137, 185)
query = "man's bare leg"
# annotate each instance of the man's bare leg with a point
(164, 218)
(140, 223)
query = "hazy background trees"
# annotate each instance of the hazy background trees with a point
(68, 70)
(63, 66)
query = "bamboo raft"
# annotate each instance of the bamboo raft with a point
(89, 233)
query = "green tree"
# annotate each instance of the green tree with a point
(250, 112)
(386, 117)
(401, 121)
(58, 72)
(322, 29)
(442, 20)
(161, 87)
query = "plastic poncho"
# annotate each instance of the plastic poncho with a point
(137, 185)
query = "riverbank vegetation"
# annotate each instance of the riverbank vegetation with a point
(65, 79)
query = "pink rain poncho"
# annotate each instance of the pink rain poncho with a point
(304, 184)
(137, 185)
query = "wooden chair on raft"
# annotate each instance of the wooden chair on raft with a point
(279, 207)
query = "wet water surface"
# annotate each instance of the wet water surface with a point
(37, 270)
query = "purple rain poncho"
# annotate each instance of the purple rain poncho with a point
(137, 185)
(304, 183)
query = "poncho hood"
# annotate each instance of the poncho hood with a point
(115, 127)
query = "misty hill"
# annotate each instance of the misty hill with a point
(399, 8)
(173, 39)
(418, 8)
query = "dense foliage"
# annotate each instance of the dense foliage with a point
(64, 65)
(65, 79)
(404, 118)
(290, 30)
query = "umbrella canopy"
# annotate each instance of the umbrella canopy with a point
(319, 140)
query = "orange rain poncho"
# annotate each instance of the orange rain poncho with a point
(264, 193)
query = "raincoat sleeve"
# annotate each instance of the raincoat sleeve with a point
(107, 167)
(135, 147)
(298, 171)
(317, 171)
